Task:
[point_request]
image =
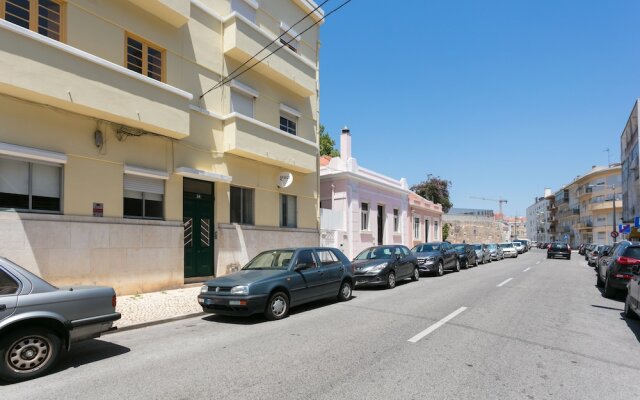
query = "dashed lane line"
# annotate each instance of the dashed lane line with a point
(526, 269)
(437, 325)
(504, 283)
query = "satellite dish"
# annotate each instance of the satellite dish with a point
(285, 179)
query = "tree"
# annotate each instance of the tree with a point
(436, 190)
(445, 231)
(327, 145)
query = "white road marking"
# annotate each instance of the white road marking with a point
(505, 282)
(437, 325)
(526, 269)
(538, 263)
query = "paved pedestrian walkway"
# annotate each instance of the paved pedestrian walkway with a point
(146, 308)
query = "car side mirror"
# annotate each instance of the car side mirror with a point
(398, 257)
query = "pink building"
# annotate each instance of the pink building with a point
(425, 220)
(360, 208)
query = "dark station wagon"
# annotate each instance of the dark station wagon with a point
(559, 249)
(276, 280)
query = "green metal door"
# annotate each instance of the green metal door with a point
(198, 226)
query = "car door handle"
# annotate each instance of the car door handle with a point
(3, 307)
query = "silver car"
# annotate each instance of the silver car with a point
(508, 250)
(495, 252)
(38, 320)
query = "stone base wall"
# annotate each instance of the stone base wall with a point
(132, 256)
(237, 244)
(474, 230)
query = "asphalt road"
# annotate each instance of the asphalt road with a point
(525, 328)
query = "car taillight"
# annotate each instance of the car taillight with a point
(569, 247)
(114, 301)
(627, 261)
(623, 276)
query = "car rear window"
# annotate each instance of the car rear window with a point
(632, 252)
(559, 246)
(7, 284)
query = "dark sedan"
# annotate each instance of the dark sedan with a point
(614, 275)
(276, 280)
(435, 257)
(38, 321)
(466, 255)
(559, 249)
(384, 266)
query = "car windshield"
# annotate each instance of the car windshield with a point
(506, 245)
(276, 259)
(492, 247)
(423, 248)
(375, 253)
(459, 247)
(477, 246)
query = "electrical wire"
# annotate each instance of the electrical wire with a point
(229, 78)
(222, 82)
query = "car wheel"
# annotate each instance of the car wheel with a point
(28, 353)
(440, 271)
(345, 291)
(416, 274)
(391, 280)
(457, 268)
(609, 292)
(628, 312)
(476, 263)
(277, 307)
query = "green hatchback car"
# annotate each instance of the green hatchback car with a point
(276, 280)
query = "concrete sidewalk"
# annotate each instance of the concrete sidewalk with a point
(151, 308)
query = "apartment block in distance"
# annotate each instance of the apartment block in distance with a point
(118, 164)
(631, 170)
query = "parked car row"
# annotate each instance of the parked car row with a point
(276, 280)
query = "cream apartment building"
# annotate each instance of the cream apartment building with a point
(117, 169)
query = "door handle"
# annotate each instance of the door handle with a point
(3, 307)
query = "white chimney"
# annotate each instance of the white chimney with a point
(547, 192)
(345, 144)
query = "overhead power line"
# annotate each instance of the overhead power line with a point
(231, 77)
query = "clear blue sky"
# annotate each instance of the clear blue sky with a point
(502, 97)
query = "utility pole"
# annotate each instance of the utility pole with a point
(608, 157)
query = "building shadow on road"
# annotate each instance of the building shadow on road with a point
(88, 352)
(618, 297)
(382, 287)
(259, 318)
(634, 325)
(231, 320)
(83, 353)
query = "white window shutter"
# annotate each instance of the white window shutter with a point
(14, 176)
(241, 104)
(143, 184)
(45, 180)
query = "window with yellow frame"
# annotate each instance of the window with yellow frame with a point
(47, 17)
(144, 57)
